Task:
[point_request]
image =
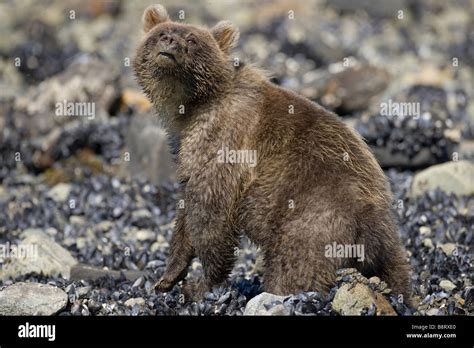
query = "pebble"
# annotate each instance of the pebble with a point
(132, 302)
(60, 192)
(143, 235)
(77, 220)
(428, 243)
(448, 248)
(374, 280)
(447, 285)
(256, 306)
(425, 230)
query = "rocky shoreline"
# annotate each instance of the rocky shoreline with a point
(116, 255)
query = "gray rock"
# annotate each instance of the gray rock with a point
(346, 271)
(141, 214)
(42, 256)
(387, 159)
(144, 235)
(434, 312)
(85, 272)
(150, 155)
(160, 244)
(81, 242)
(353, 88)
(3, 193)
(447, 285)
(424, 275)
(451, 177)
(354, 299)
(141, 218)
(427, 242)
(135, 234)
(104, 226)
(319, 48)
(60, 192)
(466, 149)
(448, 248)
(11, 82)
(31, 299)
(374, 280)
(135, 301)
(256, 306)
(83, 291)
(424, 230)
(279, 309)
(77, 220)
(86, 80)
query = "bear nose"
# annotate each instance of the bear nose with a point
(169, 41)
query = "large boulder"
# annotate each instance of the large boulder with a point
(354, 88)
(41, 255)
(32, 299)
(86, 80)
(451, 177)
(150, 156)
(355, 299)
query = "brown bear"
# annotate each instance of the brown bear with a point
(256, 159)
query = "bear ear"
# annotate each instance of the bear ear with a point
(153, 15)
(226, 35)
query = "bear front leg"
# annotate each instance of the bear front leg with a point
(181, 254)
(215, 243)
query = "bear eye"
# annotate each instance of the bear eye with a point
(191, 40)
